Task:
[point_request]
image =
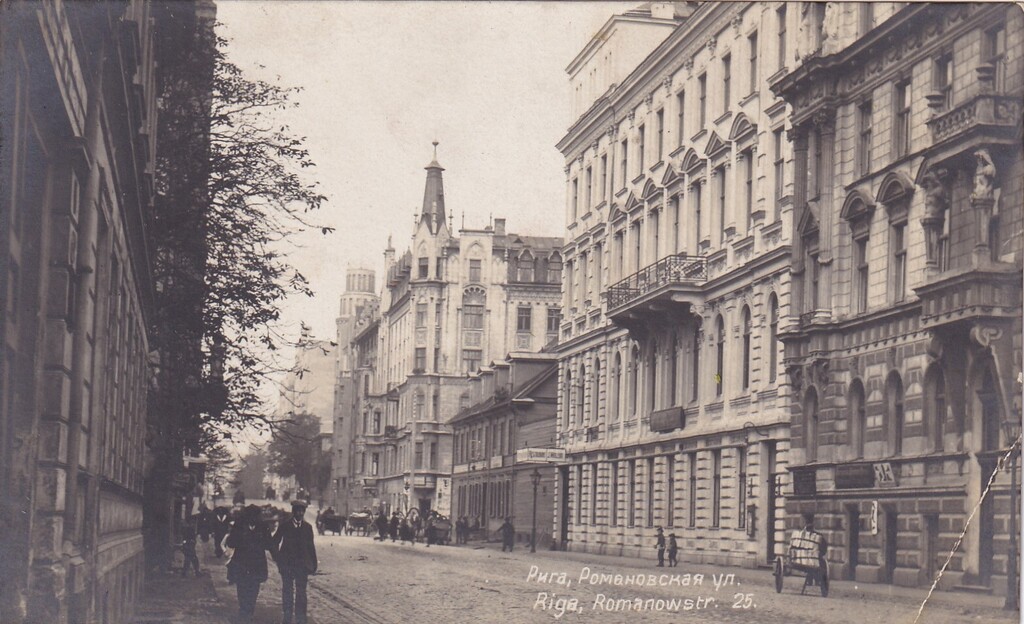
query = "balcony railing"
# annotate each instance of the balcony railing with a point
(996, 111)
(677, 269)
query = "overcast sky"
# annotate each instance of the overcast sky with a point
(382, 80)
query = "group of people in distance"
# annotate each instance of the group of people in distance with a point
(292, 549)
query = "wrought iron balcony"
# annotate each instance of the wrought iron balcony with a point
(680, 274)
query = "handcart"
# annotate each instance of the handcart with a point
(806, 556)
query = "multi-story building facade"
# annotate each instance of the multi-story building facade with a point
(679, 213)
(506, 434)
(451, 304)
(903, 340)
(367, 450)
(79, 93)
(359, 304)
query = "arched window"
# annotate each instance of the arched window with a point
(988, 398)
(935, 405)
(615, 390)
(719, 355)
(526, 266)
(857, 418)
(746, 347)
(555, 268)
(634, 370)
(773, 337)
(894, 412)
(595, 398)
(811, 425)
(581, 388)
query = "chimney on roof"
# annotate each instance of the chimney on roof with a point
(499, 227)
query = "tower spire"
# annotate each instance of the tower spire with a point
(433, 194)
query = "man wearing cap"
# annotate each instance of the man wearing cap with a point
(296, 560)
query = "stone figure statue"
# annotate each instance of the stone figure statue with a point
(936, 199)
(830, 29)
(984, 175)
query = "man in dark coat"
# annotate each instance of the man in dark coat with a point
(660, 545)
(508, 535)
(393, 527)
(248, 566)
(296, 560)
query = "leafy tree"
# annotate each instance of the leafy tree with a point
(294, 451)
(249, 478)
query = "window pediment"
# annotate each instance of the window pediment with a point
(742, 128)
(857, 209)
(716, 146)
(692, 161)
(895, 188)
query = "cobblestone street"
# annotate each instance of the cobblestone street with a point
(362, 580)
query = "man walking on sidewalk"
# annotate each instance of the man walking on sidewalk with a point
(660, 545)
(296, 560)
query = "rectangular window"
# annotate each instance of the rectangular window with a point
(419, 455)
(867, 17)
(726, 81)
(637, 248)
(660, 129)
(613, 506)
(473, 317)
(554, 320)
(471, 360)
(579, 494)
(675, 224)
(813, 271)
(752, 46)
(901, 119)
(899, 261)
(433, 456)
(625, 161)
(631, 493)
(864, 112)
(692, 490)
(721, 202)
(695, 192)
(475, 267)
(640, 147)
(860, 259)
(375, 464)
(590, 190)
(742, 489)
(702, 90)
(611, 173)
(816, 160)
(440, 268)
(593, 493)
(620, 262)
(748, 187)
(424, 265)
(655, 231)
(584, 265)
(421, 359)
(604, 178)
(943, 79)
(575, 206)
(421, 315)
(781, 19)
(524, 316)
(716, 487)
(680, 117)
(598, 268)
(995, 50)
(780, 170)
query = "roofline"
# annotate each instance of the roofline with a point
(603, 33)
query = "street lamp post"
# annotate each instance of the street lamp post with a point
(1012, 427)
(535, 477)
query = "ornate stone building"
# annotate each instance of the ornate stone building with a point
(679, 214)
(450, 305)
(903, 346)
(359, 306)
(79, 95)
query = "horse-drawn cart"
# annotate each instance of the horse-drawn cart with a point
(806, 556)
(331, 523)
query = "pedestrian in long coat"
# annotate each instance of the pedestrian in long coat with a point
(221, 526)
(673, 549)
(382, 526)
(660, 545)
(296, 560)
(393, 526)
(508, 535)
(248, 566)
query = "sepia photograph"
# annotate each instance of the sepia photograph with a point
(450, 312)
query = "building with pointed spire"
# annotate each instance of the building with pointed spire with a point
(450, 305)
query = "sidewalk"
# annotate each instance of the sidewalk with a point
(167, 598)
(968, 603)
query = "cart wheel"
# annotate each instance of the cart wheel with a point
(824, 578)
(778, 575)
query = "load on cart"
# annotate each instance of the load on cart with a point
(806, 556)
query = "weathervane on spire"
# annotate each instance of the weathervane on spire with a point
(435, 149)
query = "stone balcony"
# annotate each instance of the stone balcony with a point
(655, 289)
(982, 112)
(991, 292)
